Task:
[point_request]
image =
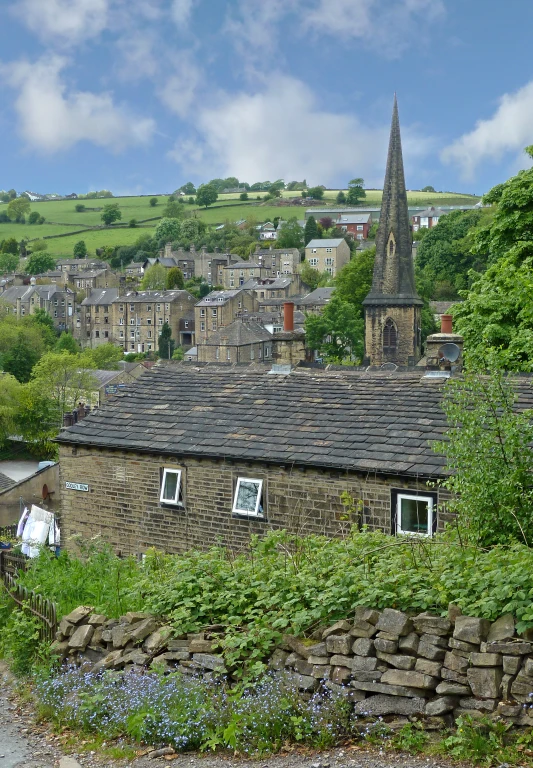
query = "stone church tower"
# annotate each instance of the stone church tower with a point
(392, 308)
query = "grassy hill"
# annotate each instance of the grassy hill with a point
(64, 225)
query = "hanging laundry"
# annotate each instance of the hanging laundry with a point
(22, 522)
(36, 531)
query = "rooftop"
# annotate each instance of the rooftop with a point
(354, 218)
(100, 296)
(238, 334)
(334, 242)
(220, 297)
(318, 296)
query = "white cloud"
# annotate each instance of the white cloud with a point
(53, 118)
(282, 133)
(510, 129)
(181, 12)
(178, 92)
(66, 21)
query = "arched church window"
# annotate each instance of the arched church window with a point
(390, 339)
(391, 247)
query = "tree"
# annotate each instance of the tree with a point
(291, 234)
(34, 217)
(10, 245)
(65, 379)
(111, 213)
(20, 359)
(312, 277)
(355, 191)
(12, 194)
(105, 357)
(67, 343)
(132, 223)
(243, 196)
(154, 278)
(167, 231)
(10, 394)
(18, 208)
(188, 188)
(174, 210)
(79, 207)
(206, 195)
(429, 188)
(317, 193)
(311, 230)
(80, 250)
(40, 262)
(8, 262)
(153, 202)
(44, 322)
(178, 353)
(354, 280)
(166, 342)
(192, 229)
(337, 333)
(488, 454)
(39, 246)
(104, 193)
(174, 279)
(341, 198)
(326, 222)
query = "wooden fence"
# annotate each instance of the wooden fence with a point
(8, 532)
(45, 610)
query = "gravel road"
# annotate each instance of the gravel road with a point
(25, 743)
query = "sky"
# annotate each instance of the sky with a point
(141, 96)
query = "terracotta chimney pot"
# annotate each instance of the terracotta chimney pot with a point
(288, 316)
(446, 324)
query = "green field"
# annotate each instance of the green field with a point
(61, 216)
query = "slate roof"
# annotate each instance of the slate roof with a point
(238, 334)
(354, 420)
(318, 296)
(152, 296)
(359, 218)
(333, 242)
(5, 482)
(100, 296)
(218, 297)
(431, 213)
(441, 307)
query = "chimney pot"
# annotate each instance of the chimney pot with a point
(446, 324)
(288, 316)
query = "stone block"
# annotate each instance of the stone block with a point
(395, 622)
(363, 646)
(303, 649)
(429, 651)
(387, 690)
(453, 612)
(303, 667)
(385, 646)
(278, 659)
(305, 682)
(438, 640)
(200, 646)
(380, 705)
(59, 647)
(175, 655)
(65, 627)
(320, 660)
(366, 677)
(470, 629)
(363, 629)
(209, 661)
(483, 705)
(397, 660)
(447, 688)
(339, 628)
(78, 614)
(140, 630)
(107, 636)
(474, 714)
(441, 706)
(511, 664)
(410, 679)
(528, 667)
(340, 675)
(108, 661)
(502, 629)
(453, 676)
(508, 710)
(97, 619)
(134, 657)
(457, 663)
(428, 667)
(518, 648)
(409, 644)
(291, 659)
(460, 645)
(321, 671)
(339, 644)
(81, 637)
(485, 681)
(363, 663)
(486, 659)
(346, 693)
(425, 623)
(132, 617)
(119, 636)
(366, 614)
(157, 639)
(388, 636)
(175, 644)
(522, 688)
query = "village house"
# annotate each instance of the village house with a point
(135, 269)
(328, 255)
(279, 262)
(196, 263)
(220, 308)
(314, 302)
(79, 265)
(276, 288)
(236, 274)
(94, 325)
(110, 383)
(242, 341)
(427, 219)
(57, 301)
(93, 278)
(357, 223)
(268, 231)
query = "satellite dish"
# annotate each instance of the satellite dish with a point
(450, 351)
(389, 367)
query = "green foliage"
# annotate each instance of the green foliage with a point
(167, 231)
(19, 636)
(132, 223)
(178, 353)
(39, 262)
(79, 207)
(188, 188)
(354, 280)
(62, 379)
(482, 741)
(341, 198)
(34, 217)
(10, 393)
(337, 333)
(428, 188)
(317, 193)
(80, 250)
(488, 452)
(206, 195)
(291, 234)
(10, 245)
(67, 343)
(173, 210)
(410, 738)
(312, 277)
(243, 196)
(20, 358)
(174, 279)
(105, 357)
(165, 342)
(355, 191)
(8, 261)
(111, 213)
(39, 246)
(191, 230)
(153, 202)
(18, 208)
(154, 278)
(311, 230)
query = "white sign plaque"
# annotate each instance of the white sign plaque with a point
(77, 486)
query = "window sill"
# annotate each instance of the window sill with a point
(172, 505)
(249, 516)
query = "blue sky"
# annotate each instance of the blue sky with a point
(139, 96)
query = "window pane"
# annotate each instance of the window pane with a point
(414, 515)
(171, 486)
(247, 493)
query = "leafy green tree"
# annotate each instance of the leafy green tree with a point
(174, 279)
(243, 196)
(40, 262)
(80, 250)
(311, 230)
(34, 217)
(67, 343)
(192, 230)
(317, 193)
(341, 197)
(44, 322)
(154, 278)
(174, 210)
(178, 353)
(79, 207)
(312, 277)
(206, 195)
(20, 359)
(291, 234)
(428, 188)
(65, 380)
(153, 202)
(39, 245)
(8, 262)
(18, 208)
(166, 342)
(10, 245)
(111, 213)
(171, 199)
(488, 452)
(167, 231)
(104, 193)
(132, 223)
(188, 188)
(337, 333)
(106, 357)
(10, 395)
(355, 191)
(12, 194)
(354, 280)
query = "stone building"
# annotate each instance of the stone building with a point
(315, 301)
(328, 255)
(94, 322)
(278, 262)
(220, 308)
(188, 457)
(240, 272)
(392, 308)
(242, 341)
(93, 278)
(58, 301)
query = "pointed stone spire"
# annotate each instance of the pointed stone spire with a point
(393, 269)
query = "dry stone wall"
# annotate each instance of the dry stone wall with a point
(386, 662)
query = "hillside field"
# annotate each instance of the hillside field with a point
(62, 218)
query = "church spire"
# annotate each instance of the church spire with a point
(393, 270)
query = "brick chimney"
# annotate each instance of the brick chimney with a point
(436, 359)
(288, 316)
(168, 250)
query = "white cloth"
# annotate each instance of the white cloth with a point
(54, 537)
(22, 522)
(37, 530)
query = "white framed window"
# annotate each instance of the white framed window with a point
(329, 250)
(121, 334)
(148, 307)
(170, 492)
(132, 307)
(202, 326)
(329, 261)
(415, 514)
(121, 307)
(313, 262)
(121, 321)
(149, 321)
(248, 498)
(359, 227)
(158, 307)
(159, 321)
(132, 321)
(202, 312)
(214, 312)
(313, 250)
